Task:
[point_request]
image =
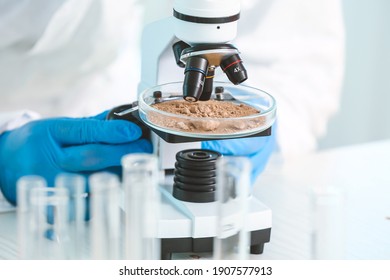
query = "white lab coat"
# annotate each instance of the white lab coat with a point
(78, 58)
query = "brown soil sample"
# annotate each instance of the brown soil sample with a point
(212, 110)
(206, 109)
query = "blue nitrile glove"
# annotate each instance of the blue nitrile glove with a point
(257, 149)
(50, 146)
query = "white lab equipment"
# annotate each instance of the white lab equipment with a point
(24, 187)
(43, 221)
(328, 222)
(105, 233)
(75, 184)
(141, 206)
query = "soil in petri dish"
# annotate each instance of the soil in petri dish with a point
(210, 116)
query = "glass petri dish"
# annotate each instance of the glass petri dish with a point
(208, 127)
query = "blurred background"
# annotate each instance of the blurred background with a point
(364, 113)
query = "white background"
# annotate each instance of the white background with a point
(364, 114)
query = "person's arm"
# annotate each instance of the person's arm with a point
(14, 119)
(294, 50)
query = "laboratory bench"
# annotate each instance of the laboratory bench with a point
(333, 204)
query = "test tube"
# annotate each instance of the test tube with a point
(76, 186)
(24, 186)
(48, 225)
(233, 182)
(141, 205)
(328, 223)
(105, 234)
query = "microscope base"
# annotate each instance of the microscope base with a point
(205, 245)
(184, 227)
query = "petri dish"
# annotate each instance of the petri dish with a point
(264, 115)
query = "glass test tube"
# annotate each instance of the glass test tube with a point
(76, 186)
(233, 183)
(105, 233)
(48, 225)
(24, 186)
(141, 205)
(328, 223)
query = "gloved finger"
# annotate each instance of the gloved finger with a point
(84, 131)
(237, 147)
(94, 157)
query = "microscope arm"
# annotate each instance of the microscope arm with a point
(156, 37)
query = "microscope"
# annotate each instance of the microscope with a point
(199, 33)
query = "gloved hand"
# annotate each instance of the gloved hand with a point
(257, 149)
(50, 146)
